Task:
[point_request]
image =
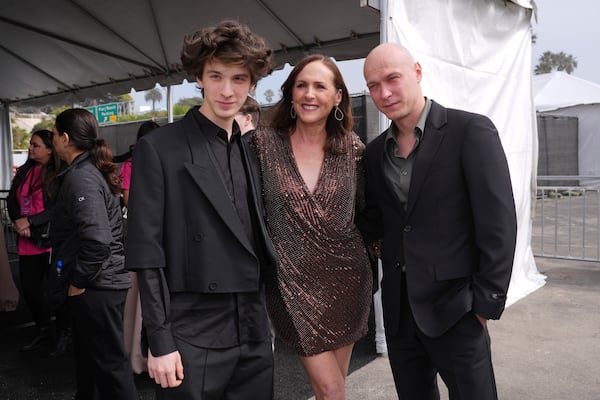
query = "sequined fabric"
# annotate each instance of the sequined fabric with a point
(323, 293)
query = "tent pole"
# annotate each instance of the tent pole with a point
(170, 103)
(6, 146)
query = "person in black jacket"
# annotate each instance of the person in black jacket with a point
(439, 195)
(29, 206)
(86, 234)
(201, 249)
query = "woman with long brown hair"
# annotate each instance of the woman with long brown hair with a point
(311, 168)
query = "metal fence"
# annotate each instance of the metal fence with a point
(566, 221)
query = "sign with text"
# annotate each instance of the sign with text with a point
(92, 109)
(107, 112)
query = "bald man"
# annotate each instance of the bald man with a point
(439, 195)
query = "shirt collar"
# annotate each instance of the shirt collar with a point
(390, 138)
(419, 129)
(78, 160)
(211, 129)
(423, 118)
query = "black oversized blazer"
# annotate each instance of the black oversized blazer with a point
(180, 216)
(457, 236)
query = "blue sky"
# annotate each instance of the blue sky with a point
(561, 26)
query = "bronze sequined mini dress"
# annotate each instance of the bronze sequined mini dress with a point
(322, 296)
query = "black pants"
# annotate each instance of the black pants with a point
(33, 272)
(103, 368)
(462, 357)
(239, 373)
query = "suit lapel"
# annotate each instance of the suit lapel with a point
(432, 138)
(206, 174)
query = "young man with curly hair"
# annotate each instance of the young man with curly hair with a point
(198, 241)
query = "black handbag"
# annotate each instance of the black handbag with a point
(40, 234)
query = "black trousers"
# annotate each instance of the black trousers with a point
(33, 272)
(102, 365)
(462, 357)
(243, 372)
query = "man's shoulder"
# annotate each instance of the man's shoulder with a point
(377, 143)
(165, 132)
(459, 113)
(441, 117)
(164, 139)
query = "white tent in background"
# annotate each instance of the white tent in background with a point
(561, 94)
(559, 90)
(476, 55)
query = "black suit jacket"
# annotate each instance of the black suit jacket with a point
(457, 236)
(183, 224)
(184, 220)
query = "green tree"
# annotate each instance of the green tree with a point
(154, 95)
(550, 61)
(45, 123)
(125, 97)
(20, 137)
(189, 102)
(269, 95)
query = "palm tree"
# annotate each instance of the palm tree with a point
(550, 61)
(154, 95)
(269, 95)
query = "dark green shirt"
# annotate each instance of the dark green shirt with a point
(397, 170)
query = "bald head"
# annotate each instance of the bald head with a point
(387, 53)
(393, 78)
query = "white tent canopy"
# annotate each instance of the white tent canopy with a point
(561, 94)
(560, 90)
(80, 48)
(65, 51)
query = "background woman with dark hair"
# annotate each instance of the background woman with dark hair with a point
(311, 168)
(88, 250)
(29, 205)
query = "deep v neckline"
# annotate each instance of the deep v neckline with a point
(298, 174)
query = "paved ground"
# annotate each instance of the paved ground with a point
(28, 376)
(546, 347)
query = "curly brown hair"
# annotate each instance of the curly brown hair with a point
(230, 42)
